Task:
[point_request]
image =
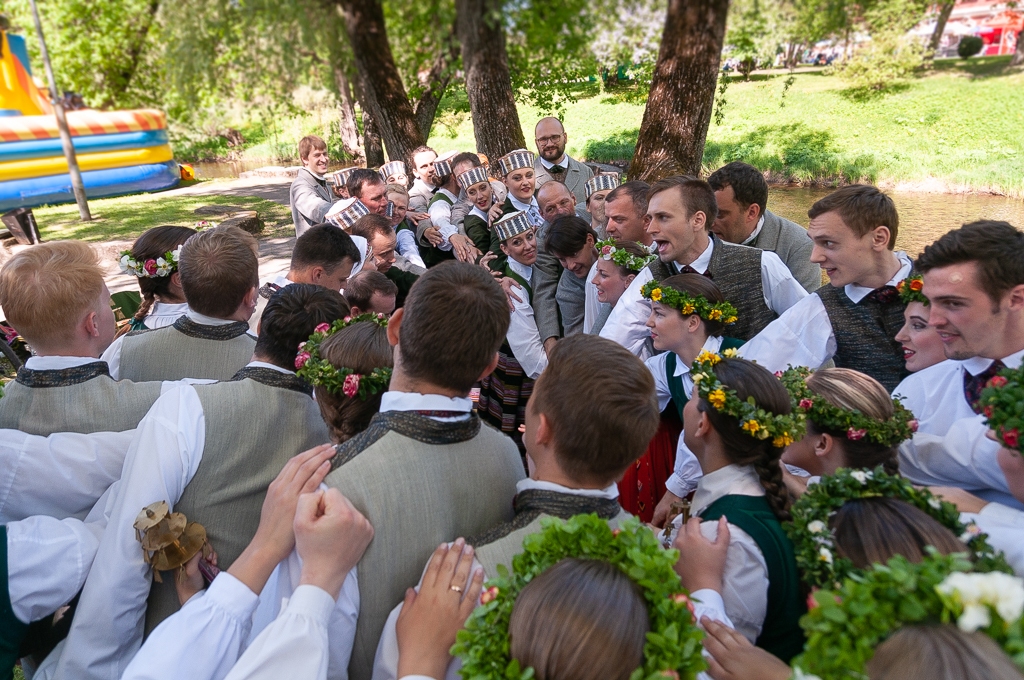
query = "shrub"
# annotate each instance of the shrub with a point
(969, 46)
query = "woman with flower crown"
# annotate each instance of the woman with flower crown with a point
(688, 316)
(153, 258)
(618, 263)
(922, 346)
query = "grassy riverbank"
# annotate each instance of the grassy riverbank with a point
(960, 127)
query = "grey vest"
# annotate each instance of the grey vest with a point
(420, 482)
(186, 349)
(865, 334)
(571, 295)
(736, 270)
(505, 541)
(254, 425)
(81, 399)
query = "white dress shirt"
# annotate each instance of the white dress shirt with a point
(591, 305)
(523, 336)
(627, 323)
(163, 314)
(407, 247)
(1005, 528)
(803, 335)
(417, 401)
(441, 217)
(753, 235)
(745, 580)
(112, 355)
(950, 447)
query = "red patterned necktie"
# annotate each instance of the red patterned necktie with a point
(974, 384)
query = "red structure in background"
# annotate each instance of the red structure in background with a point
(996, 22)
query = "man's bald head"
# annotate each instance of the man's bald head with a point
(555, 200)
(551, 138)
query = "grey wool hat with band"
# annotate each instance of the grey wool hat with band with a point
(603, 182)
(511, 225)
(516, 160)
(391, 169)
(348, 215)
(473, 176)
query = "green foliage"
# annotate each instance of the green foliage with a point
(748, 39)
(891, 56)
(969, 46)
(1002, 402)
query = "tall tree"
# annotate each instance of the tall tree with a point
(678, 111)
(1018, 55)
(384, 95)
(940, 27)
(492, 103)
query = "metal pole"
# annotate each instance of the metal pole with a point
(62, 123)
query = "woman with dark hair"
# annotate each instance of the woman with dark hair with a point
(153, 258)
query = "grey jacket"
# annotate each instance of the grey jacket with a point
(310, 199)
(791, 243)
(546, 275)
(575, 179)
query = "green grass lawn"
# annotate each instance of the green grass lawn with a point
(126, 217)
(961, 124)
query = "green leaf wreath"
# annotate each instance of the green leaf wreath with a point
(607, 251)
(673, 647)
(1002, 402)
(317, 371)
(910, 289)
(689, 304)
(820, 564)
(845, 626)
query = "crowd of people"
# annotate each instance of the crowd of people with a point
(518, 419)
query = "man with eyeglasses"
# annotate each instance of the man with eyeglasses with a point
(553, 163)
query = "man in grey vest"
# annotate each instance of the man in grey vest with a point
(577, 450)
(54, 296)
(220, 277)
(681, 210)
(427, 470)
(210, 452)
(743, 217)
(571, 241)
(554, 164)
(309, 196)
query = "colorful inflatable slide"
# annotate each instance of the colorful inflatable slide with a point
(119, 152)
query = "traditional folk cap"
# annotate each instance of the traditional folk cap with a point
(473, 176)
(516, 160)
(389, 210)
(340, 177)
(346, 216)
(391, 169)
(512, 224)
(602, 182)
(443, 164)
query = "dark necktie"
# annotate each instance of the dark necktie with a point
(687, 269)
(974, 384)
(556, 169)
(883, 295)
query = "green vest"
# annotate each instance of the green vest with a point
(509, 272)
(781, 633)
(12, 631)
(431, 255)
(675, 382)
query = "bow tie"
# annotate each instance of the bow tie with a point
(687, 269)
(556, 169)
(883, 295)
(974, 384)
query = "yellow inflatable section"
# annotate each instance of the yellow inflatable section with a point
(56, 165)
(17, 91)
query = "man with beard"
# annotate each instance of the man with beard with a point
(553, 163)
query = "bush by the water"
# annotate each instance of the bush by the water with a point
(969, 46)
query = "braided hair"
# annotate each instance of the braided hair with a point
(153, 244)
(748, 379)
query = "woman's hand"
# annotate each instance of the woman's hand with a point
(430, 619)
(433, 236)
(494, 214)
(701, 562)
(734, 658)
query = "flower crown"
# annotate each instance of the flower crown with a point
(623, 258)
(814, 542)
(340, 381)
(892, 432)
(1002, 402)
(910, 289)
(783, 430)
(844, 626)
(689, 304)
(204, 224)
(152, 268)
(673, 648)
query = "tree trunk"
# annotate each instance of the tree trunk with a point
(347, 121)
(488, 82)
(374, 152)
(435, 83)
(384, 96)
(1018, 55)
(678, 111)
(134, 52)
(940, 26)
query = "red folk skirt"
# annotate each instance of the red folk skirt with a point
(643, 485)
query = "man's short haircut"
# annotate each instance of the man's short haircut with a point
(862, 208)
(324, 245)
(218, 268)
(637, 193)
(308, 143)
(567, 235)
(548, 187)
(419, 150)
(466, 157)
(360, 178)
(361, 287)
(997, 248)
(455, 319)
(697, 196)
(596, 438)
(747, 182)
(369, 226)
(291, 315)
(46, 289)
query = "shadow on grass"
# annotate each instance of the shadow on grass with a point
(863, 95)
(976, 67)
(793, 151)
(617, 147)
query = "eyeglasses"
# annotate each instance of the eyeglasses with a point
(553, 139)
